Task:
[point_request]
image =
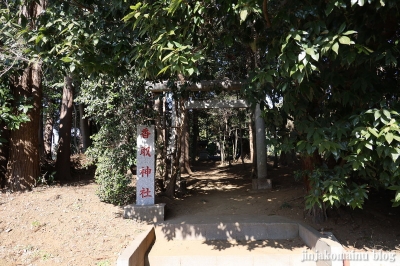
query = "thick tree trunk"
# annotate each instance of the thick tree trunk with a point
(84, 126)
(175, 175)
(63, 163)
(4, 152)
(48, 132)
(23, 166)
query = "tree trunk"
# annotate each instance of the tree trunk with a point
(75, 119)
(235, 145)
(23, 166)
(165, 137)
(241, 144)
(41, 139)
(276, 164)
(252, 142)
(170, 190)
(308, 163)
(195, 133)
(4, 152)
(227, 143)
(160, 143)
(185, 158)
(84, 126)
(48, 132)
(63, 163)
(222, 147)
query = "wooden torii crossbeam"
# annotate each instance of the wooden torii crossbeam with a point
(216, 104)
(205, 85)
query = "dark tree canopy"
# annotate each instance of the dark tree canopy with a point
(329, 67)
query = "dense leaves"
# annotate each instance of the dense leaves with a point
(328, 67)
(333, 63)
(338, 75)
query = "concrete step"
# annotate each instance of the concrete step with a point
(228, 252)
(228, 228)
(233, 240)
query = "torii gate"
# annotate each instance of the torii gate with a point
(146, 210)
(262, 182)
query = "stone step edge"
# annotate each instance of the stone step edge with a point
(135, 253)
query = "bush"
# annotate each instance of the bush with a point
(114, 182)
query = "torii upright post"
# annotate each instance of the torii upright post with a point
(261, 182)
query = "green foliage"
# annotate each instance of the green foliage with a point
(323, 64)
(120, 105)
(165, 37)
(193, 39)
(332, 188)
(46, 179)
(13, 115)
(114, 183)
(12, 44)
(338, 77)
(13, 110)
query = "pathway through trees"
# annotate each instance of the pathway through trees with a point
(64, 225)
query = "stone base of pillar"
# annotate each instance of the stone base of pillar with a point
(261, 183)
(147, 213)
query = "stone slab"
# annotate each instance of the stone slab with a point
(309, 235)
(146, 167)
(222, 253)
(223, 228)
(230, 227)
(148, 213)
(134, 254)
(330, 245)
(261, 183)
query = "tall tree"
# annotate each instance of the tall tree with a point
(23, 167)
(63, 163)
(24, 78)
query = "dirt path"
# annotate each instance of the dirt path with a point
(227, 190)
(68, 225)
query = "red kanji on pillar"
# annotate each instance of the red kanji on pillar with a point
(146, 163)
(145, 193)
(145, 171)
(145, 133)
(145, 151)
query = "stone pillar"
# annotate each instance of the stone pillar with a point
(145, 165)
(145, 209)
(261, 182)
